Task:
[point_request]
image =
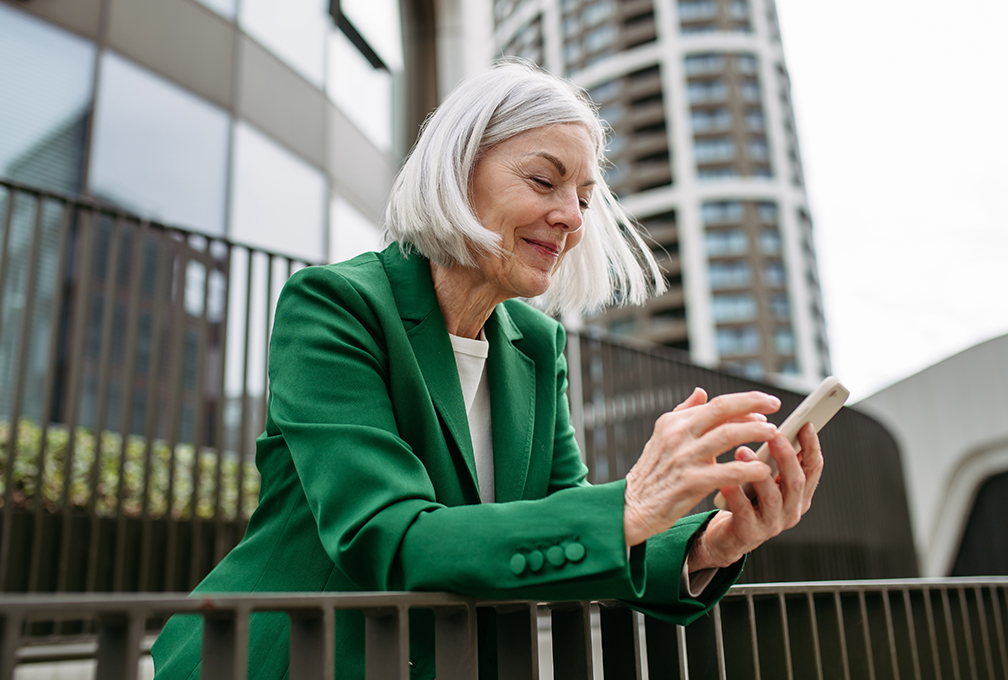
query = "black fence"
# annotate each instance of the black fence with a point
(133, 363)
(879, 630)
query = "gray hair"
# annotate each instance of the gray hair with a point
(429, 206)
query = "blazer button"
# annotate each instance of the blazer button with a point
(535, 560)
(555, 556)
(574, 552)
(518, 562)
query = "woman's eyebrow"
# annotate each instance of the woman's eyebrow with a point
(561, 168)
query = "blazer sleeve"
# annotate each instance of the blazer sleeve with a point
(373, 501)
(663, 555)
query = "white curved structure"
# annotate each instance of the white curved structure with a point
(951, 424)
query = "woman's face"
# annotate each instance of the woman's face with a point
(532, 190)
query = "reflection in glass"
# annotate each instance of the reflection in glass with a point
(350, 232)
(158, 150)
(294, 30)
(278, 200)
(378, 21)
(362, 92)
(45, 90)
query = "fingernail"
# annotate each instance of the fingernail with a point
(774, 400)
(760, 416)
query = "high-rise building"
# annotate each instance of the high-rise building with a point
(704, 154)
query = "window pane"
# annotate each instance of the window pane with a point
(45, 88)
(278, 199)
(361, 91)
(350, 232)
(158, 150)
(294, 30)
(378, 21)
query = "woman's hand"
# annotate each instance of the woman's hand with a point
(678, 466)
(780, 503)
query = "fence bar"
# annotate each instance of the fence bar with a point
(867, 635)
(220, 543)
(119, 647)
(225, 645)
(517, 643)
(932, 633)
(10, 637)
(163, 270)
(753, 637)
(21, 368)
(47, 393)
(104, 375)
(312, 643)
(572, 644)
(789, 664)
(984, 634)
(683, 652)
(719, 644)
(621, 654)
(126, 423)
(455, 643)
(85, 241)
(386, 644)
(815, 636)
(196, 550)
(999, 629)
(947, 607)
(243, 426)
(912, 631)
(891, 632)
(967, 633)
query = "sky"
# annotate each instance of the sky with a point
(902, 116)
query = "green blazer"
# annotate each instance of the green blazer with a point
(369, 479)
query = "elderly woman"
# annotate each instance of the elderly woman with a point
(418, 435)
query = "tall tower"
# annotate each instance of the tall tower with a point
(704, 154)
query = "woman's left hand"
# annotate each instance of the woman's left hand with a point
(779, 505)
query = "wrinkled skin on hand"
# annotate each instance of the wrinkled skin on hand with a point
(679, 467)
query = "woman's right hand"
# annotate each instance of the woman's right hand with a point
(679, 467)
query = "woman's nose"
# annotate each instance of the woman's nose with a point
(568, 214)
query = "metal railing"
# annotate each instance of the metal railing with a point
(879, 630)
(132, 374)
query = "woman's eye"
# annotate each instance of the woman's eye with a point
(544, 183)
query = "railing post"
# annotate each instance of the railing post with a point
(225, 645)
(119, 646)
(517, 643)
(572, 642)
(621, 651)
(312, 644)
(387, 644)
(10, 637)
(456, 643)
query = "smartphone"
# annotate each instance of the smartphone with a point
(817, 408)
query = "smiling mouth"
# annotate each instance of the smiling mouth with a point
(551, 248)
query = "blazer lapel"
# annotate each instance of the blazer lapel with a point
(413, 291)
(512, 405)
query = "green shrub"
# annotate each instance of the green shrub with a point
(103, 486)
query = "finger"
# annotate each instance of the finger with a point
(812, 462)
(697, 398)
(750, 417)
(727, 407)
(729, 436)
(735, 473)
(739, 504)
(792, 479)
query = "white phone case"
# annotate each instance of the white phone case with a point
(817, 408)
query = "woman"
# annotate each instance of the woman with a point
(418, 435)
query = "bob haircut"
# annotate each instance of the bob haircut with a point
(429, 208)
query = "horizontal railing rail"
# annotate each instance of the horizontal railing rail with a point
(951, 629)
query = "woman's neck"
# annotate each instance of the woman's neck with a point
(465, 297)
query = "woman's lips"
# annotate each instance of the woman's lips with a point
(545, 247)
